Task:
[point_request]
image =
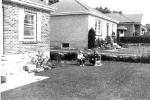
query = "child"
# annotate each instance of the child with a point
(94, 58)
(81, 58)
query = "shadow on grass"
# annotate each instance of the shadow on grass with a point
(108, 82)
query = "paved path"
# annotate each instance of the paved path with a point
(17, 82)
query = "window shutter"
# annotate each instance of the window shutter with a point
(21, 24)
(39, 25)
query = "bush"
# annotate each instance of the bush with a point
(134, 39)
(135, 59)
(123, 45)
(55, 56)
(70, 56)
(63, 56)
(91, 39)
(3, 79)
(109, 40)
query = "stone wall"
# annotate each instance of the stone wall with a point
(12, 45)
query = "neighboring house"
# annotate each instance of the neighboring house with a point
(148, 30)
(26, 26)
(72, 20)
(131, 24)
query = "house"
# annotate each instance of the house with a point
(25, 30)
(130, 25)
(72, 20)
(148, 30)
(26, 26)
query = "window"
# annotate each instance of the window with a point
(107, 25)
(121, 32)
(65, 45)
(29, 26)
(98, 27)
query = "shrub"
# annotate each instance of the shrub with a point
(109, 40)
(3, 79)
(91, 39)
(63, 56)
(55, 56)
(70, 56)
(40, 59)
(123, 45)
(135, 59)
(134, 39)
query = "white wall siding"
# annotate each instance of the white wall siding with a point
(72, 29)
(91, 24)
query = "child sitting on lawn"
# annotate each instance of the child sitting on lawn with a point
(94, 58)
(81, 58)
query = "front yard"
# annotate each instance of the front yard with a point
(111, 81)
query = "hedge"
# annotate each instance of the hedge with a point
(133, 59)
(134, 39)
(63, 56)
(73, 56)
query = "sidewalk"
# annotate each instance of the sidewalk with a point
(20, 80)
(12, 68)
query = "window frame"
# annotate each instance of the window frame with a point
(34, 37)
(98, 27)
(107, 29)
(65, 44)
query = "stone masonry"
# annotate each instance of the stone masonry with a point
(12, 45)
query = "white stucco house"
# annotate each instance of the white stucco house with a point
(72, 20)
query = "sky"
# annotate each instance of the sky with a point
(126, 6)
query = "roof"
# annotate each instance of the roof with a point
(32, 3)
(119, 17)
(135, 17)
(69, 7)
(122, 28)
(129, 18)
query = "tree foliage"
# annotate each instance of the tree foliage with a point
(53, 1)
(103, 10)
(107, 10)
(91, 38)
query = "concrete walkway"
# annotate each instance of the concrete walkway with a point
(17, 81)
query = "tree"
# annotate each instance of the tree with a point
(91, 38)
(103, 10)
(120, 12)
(53, 1)
(106, 10)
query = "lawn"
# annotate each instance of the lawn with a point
(112, 81)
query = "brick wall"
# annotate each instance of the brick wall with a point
(12, 45)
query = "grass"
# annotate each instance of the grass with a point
(112, 81)
(132, 50)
